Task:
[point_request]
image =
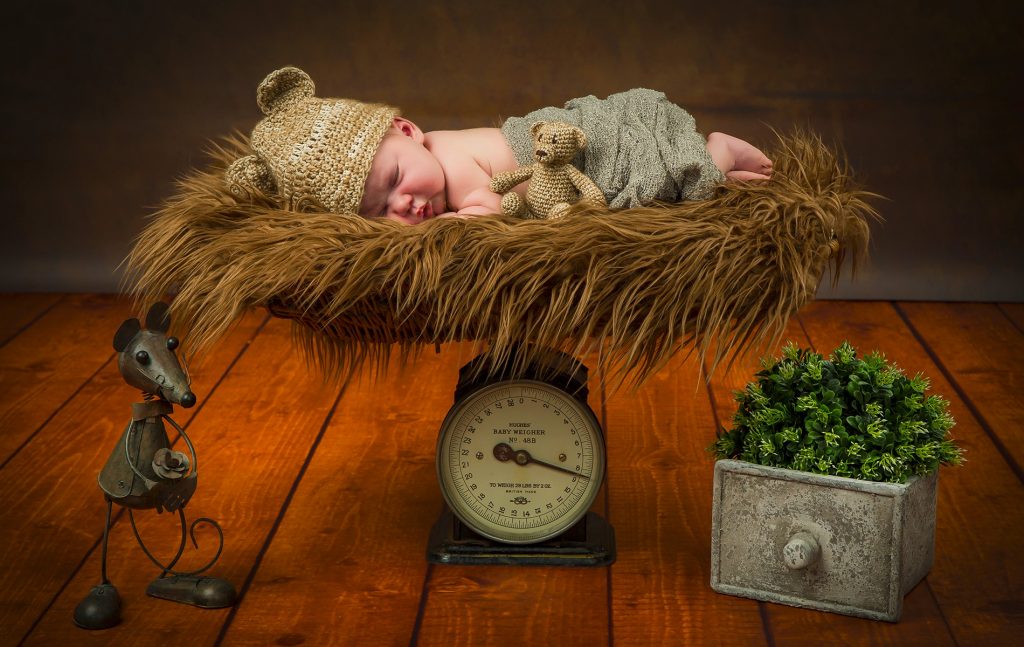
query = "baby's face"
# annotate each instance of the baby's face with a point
(406, 182)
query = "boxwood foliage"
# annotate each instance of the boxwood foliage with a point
(845, 416)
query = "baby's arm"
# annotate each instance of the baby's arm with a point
(481, 202)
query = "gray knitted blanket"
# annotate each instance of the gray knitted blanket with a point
(641, 147)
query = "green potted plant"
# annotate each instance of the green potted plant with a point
(826, 486)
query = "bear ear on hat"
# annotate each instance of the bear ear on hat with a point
(282, 87)
(249, 175)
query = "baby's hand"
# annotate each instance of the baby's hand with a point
(469, 212)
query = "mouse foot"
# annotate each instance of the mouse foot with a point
(204, 592)
(101, 608)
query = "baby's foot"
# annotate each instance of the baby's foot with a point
(737, 159)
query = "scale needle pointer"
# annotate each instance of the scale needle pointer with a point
(505, 453)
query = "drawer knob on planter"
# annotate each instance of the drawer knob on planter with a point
(801, 551)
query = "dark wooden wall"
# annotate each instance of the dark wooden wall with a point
(105, 104)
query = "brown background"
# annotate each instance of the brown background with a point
(105, 105)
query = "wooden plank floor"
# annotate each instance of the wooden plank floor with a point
(326, 495)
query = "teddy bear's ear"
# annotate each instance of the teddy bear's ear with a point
(581, 137)
(282, 87)
(537, 126)
(249, 175)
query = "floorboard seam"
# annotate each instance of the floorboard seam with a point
(766, 623)
(607, 513)
(67, 582)
(63, 404)
(1000, 447)
(280, 517)
(120, 512)
(942, 614)
(34, 319)
(807, 335)
(1006, 314)
(421, 609)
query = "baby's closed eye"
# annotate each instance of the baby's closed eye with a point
(388, 188)
(379, 187)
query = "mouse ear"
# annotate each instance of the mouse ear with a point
(126, 333)
(157, 318)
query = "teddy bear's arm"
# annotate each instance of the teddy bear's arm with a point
(503, 182)
(585, 186)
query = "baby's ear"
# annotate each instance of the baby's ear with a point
(537, 126)
(581, 137)
(408, 128)
(248, 176)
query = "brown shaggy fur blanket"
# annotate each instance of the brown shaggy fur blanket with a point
(636, 285)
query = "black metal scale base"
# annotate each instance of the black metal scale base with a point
(590, 542)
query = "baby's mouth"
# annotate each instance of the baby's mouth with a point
(425, 211)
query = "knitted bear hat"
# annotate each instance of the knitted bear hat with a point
(311, 152)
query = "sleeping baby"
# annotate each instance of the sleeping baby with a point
(346, 156)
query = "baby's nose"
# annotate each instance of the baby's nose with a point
(403, 204)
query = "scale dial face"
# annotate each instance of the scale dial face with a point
(520, 461)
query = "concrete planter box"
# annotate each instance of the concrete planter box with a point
(824, 542)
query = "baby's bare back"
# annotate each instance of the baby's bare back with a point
(469, 158)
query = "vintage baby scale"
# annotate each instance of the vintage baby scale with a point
(631, 286)
(520, 460)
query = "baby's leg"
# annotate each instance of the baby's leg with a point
(737, 159)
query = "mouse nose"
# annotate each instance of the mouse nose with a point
(188, 400)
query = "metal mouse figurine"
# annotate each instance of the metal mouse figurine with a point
(143, 472)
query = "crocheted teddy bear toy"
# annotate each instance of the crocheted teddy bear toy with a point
(555, 183)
